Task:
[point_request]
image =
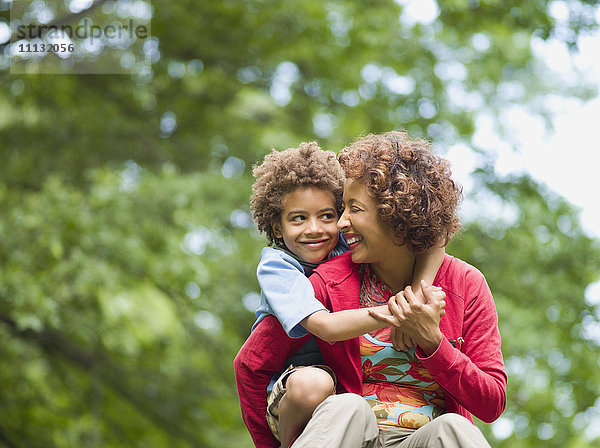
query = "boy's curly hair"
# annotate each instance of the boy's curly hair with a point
(411, 185)
(283, 172)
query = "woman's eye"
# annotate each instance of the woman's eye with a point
(328, 216)
(298, 218)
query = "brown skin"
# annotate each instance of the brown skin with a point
(308, 387)
(305, 390)
(421, 319)
(307, 217)
(391, 250)
(282, 172)
(410, 189)
(371, 241)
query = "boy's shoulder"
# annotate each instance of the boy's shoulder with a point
(272, 256)
(272, 252)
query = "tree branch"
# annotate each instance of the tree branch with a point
(6, 440)
(53, 342)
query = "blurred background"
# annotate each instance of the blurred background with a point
(127, 251)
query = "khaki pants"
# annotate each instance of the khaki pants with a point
(347, 421)
(279, 391)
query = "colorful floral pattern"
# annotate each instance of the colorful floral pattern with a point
(396, 385)
(372, 291)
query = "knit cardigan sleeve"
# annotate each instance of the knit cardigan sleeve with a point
(473, 371)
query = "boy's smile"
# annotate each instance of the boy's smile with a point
(308, 223)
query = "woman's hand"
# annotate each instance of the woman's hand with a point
(400, 340)
(421, 320)
(417, 318)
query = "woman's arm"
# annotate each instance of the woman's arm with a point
(262, 355)
(474, 372)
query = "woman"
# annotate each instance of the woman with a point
(399, 201)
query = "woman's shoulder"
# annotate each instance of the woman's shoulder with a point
(336, 269)
(454, 271)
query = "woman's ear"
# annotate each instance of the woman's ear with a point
(276, 226)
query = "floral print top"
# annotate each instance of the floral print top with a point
(396, 384)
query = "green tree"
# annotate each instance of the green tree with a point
(127, 253)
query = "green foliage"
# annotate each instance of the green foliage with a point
(127, 252)
(111, 298)
(538, 262)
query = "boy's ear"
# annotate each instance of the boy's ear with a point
(276, 226)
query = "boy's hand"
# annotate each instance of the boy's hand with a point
(432, 295)
(400, 341)
(429, 299)
(392, 320)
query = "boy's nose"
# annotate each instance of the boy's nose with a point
(314, 227)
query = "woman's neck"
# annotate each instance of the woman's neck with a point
(396, 272)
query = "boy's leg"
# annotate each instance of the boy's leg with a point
(306, 388)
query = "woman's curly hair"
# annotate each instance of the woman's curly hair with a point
(283, 172)
(411, 185)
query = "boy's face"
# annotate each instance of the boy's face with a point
(308, 223)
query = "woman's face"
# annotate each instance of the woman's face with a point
(367, 234)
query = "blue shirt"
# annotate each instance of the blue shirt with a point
(285, 290)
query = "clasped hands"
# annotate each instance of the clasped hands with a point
(415, 318)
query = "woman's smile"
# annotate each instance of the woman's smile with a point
(367, 235)
(353, 239)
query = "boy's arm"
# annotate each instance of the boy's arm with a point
(426, 267)
(291, 298)
(348, 324)
(286, 290)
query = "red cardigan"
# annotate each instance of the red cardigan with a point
(472, 374)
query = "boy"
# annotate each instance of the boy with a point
(296, 202)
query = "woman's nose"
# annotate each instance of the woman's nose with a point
(343, 222)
